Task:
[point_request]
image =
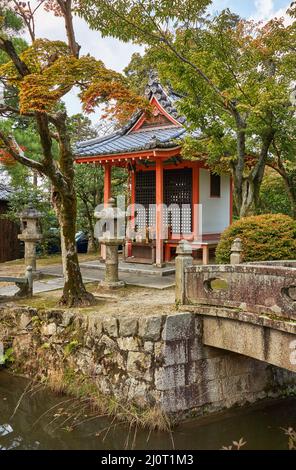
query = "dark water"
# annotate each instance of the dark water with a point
(43, 420)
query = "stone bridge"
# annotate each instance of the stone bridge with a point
(246, 308)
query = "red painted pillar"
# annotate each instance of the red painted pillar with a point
(107, 183)
(159, 212)
(195, 201)
(107, 195)
(128, 251)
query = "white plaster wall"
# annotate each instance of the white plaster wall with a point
(215, 211)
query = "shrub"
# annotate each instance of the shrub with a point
(264, 237)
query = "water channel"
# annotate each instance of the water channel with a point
(39, 419)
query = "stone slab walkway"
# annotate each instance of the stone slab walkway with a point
(132, 279)
(39, 286)
(91, 275)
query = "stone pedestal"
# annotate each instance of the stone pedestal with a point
(30, 235)
(184, 258)
(111, 279)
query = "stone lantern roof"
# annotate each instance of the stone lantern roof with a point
(30, 213)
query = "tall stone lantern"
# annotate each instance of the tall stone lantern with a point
(110, 220)
(30, 234)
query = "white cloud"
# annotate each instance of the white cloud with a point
(264, 9)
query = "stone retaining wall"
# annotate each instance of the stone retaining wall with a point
(154, 360)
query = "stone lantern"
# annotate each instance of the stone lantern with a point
(30, 234)
(236, 251)
(111, 218)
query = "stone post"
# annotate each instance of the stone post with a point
(111, 215)
(30, 235)
(29, 277)
(236, 252)
(184, 259)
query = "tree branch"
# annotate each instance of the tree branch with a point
(17, 153)
(66, 8)
(7, 46)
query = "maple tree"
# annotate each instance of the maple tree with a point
(234, 77)
(40, 75)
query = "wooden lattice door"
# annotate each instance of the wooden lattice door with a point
(178, 200)
(145, 195)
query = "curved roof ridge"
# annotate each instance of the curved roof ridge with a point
(165, 99)
(99, 140)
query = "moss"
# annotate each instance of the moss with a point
(273, 316)
(71, 347)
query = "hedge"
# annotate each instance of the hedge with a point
(264, 237)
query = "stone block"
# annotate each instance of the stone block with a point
(108, 343)
(167, 378)
(25, 321)
(173, 401)
(150, 328)
(202, 393)
(198, 325)
(179, 327)
(149, 347)
(49, 330)
(158, 350)
(195, 349)
(129, 344)
(175, 352)
(205, 370)
(110, 327)
(95, 324)
(128, 326)
(67, 318)
(137, 391)
(138, 363)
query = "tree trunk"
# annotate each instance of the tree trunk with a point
(92, 242)
(74, 292)
(246, 197)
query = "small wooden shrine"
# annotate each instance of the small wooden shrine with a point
(159, 178)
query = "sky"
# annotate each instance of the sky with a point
(116, 55)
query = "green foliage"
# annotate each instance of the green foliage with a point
(131, 20)
(137, 72)
(264, 237)
(274, 197)
(80, 128)
(7, 357)
(10, 23)
(71, 347)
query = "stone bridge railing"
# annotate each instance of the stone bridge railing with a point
(268, 287)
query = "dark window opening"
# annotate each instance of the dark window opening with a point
(215, 190)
